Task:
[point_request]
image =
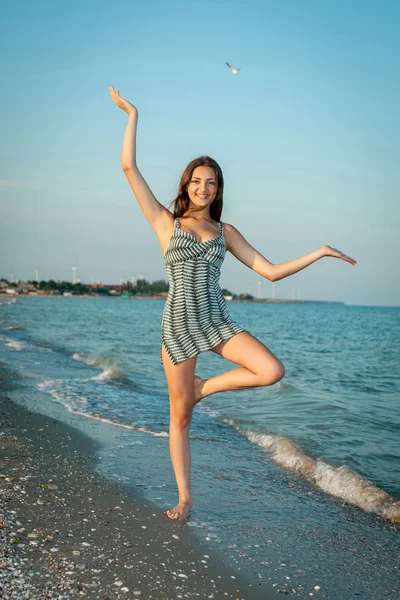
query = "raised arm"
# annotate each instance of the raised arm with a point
(159, 217)
(243, 251)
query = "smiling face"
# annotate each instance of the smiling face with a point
(202, 187)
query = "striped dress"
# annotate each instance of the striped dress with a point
(195, 317)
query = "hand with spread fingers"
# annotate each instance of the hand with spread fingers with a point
(121, 102)
(335, 253)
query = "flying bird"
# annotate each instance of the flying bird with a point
(234, 71)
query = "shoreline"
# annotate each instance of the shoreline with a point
(67, 530)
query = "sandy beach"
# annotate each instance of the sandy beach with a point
(66, 532)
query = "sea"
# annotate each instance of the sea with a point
(296, 485)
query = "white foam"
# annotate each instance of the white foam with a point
(13, 344)
(341, 482)
(47, 383)
(107, 371)
(50, 385)
(117, 424)
(110, 373)
(93, 362)
(194, 522)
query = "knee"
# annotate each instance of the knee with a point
(280, 372)
(181, 418)
(273, 374)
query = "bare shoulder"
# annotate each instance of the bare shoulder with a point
(233, 237)
(228, 228)
(246, 253)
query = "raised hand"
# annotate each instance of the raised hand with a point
(338, 254)
(121, 102)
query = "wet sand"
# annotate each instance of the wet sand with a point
(66, 532)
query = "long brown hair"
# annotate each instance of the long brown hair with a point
(182, 201)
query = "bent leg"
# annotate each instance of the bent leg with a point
(260, 367)
(180, 380)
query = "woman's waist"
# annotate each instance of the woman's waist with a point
(195, 264)
(200, 287)
(194, 297)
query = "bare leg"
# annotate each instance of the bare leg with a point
(260, 367)
(180, 380)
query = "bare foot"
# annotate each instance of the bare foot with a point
(180, 512)
(198, 388)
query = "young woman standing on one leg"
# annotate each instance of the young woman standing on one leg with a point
(194, 241)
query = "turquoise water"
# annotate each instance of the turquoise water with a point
(319, 449)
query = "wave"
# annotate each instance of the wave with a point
(163, 434)
(93, 362)
(110, 373)
(107, 371)
(284, 386)
(13, 327)
(13, 344)
(341, 482)
(50, 386)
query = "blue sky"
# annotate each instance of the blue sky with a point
(307, 135)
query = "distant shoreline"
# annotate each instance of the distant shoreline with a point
(163, 297)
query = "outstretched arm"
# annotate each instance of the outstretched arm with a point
(159, 217)
(243, 251)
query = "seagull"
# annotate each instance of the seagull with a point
(234, 71)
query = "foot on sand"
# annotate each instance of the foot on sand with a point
(198, 388)
(180, 512)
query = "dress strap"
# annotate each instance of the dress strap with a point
(221, 227)
(177, 224)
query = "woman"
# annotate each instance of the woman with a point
(193, 241)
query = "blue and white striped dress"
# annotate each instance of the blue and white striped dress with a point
(195, 317)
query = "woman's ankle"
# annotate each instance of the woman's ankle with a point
(187, 499)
